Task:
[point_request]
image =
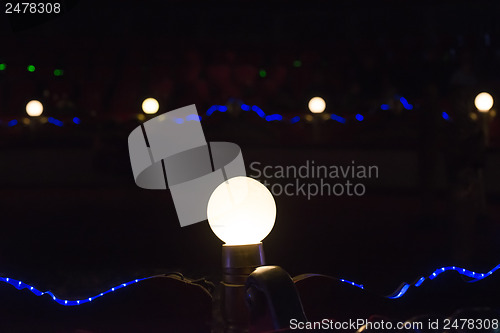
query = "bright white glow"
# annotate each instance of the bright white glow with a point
(241, 211)
(317, 105)
(483, 102)
(34, 108)
(150, 106)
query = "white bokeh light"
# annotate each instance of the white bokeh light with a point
(241, 211)
(483, 102)
(150, 106)
(34, 108)
(317, 105)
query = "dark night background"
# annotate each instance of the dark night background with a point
(73, 220)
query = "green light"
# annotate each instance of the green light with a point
(58, 72)
(297, 63)
(262, 73)
(3, 67)
(31, 68)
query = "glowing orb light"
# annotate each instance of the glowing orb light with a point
(34, 108)
(241, 211)
(483, 102)
(317, 105)
(150, 106)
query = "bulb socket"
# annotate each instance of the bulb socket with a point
(238, 261)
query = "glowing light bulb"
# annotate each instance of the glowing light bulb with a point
(483, 102)
(241, 211)
(150, 106)
(34, 108)
(317, 105)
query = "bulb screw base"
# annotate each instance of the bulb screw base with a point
(238, 261)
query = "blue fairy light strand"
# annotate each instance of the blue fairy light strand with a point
(462, 271)
(19, 285)
(222, 108)
(400, 291)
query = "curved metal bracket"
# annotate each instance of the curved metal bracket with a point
(272, 298)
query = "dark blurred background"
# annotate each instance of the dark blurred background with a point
(399, 78)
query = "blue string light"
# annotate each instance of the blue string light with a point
(258, 110)
(254, 108)
(475, 277)
(244, 107)
(353, 283)
(419, 282)
(405, 103)
(191, 117)
(274, 117)
(338, 118)
(445, 116)
(300, 277)
(55, 121)
(19, 285)
(211, 110)
(397, 294)
(194, 117)
(400, 291)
